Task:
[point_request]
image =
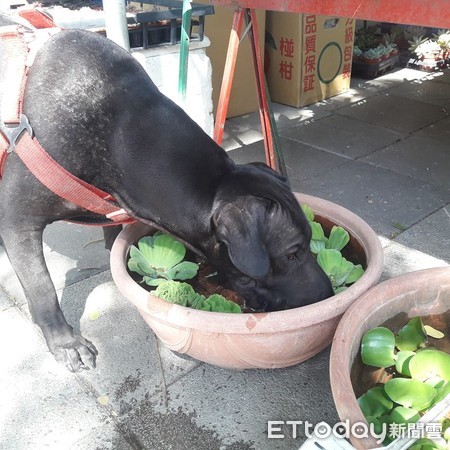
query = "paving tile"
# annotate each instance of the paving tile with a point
(418, 157)
(43, 405)
(395, 113)
(302, 161)
(439, 130)
(443, 76)
(343, 135)
(361, 88)
(400, 259)
(424, 91)
(386, 200)
(248, 153)
(106, 437)
(431, 235)
(131, 364)
(213, 408)
(72, 253)
(285, 117)
(236, 136)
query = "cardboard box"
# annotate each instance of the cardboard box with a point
(243, 97)
(308, 57)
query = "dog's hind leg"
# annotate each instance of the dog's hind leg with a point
(24, 247)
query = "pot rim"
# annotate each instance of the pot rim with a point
(276, 321)
(356, 319)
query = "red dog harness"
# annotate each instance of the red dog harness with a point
(19, 133)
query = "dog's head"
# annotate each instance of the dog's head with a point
(263, 242)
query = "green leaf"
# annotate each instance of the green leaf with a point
(317, 232)
(402, 363)
(330, 260)
(432, 332)
(442, 392)
(343, 272)
(376, 423)
(410, 393)
(162, 252)
(218, 303)
(355, 274)
(377, 347)
(400, 414)
(183, 271)
(316, 246)
(338, 238)
(426, 444)
(429, 364)
(137, 262)
(375, 403)
(318, 239)
(411, 336)
(153, 281)
(308, 211)
(177, 292)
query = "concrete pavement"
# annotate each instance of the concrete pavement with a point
(381, 150)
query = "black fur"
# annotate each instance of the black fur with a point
(97, 113)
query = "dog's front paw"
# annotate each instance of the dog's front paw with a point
(76, 354)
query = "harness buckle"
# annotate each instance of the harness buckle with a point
(14, 134)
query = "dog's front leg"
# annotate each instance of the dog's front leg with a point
(25, 251)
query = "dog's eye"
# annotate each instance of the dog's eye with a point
(292, 256)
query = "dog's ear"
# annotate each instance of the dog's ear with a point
(241, 229)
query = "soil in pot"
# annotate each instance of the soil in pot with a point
(208, 282)
(364, 377)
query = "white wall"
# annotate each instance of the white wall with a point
(162, 64)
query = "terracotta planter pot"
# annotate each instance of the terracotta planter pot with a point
(421, 293)
(370, 61)
(261, 340)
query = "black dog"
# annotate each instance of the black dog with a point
(96, 112)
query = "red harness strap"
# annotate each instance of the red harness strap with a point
(36, 159)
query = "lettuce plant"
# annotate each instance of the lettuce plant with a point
(340, 271)
(160, 257)
(183, 294)
(422, 379)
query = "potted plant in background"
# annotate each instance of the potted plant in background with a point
(375, 52)
(259, 340)
(430, 53)
(402, 305)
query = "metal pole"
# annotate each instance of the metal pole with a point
(184, 48)
(228, 73)
(116, 22)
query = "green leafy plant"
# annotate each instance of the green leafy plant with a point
(340, 271)
(184, 294)
(422, 379)
(160, 257)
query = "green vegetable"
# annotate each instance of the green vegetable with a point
(411, 336)
(410, 393)
(402, 363)
(158, 258)
(218, 303)
(377, 347)
(375, 403)
(400, 414)
(429, 364)
(183, 294)
(340, 271)
(176, 292)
